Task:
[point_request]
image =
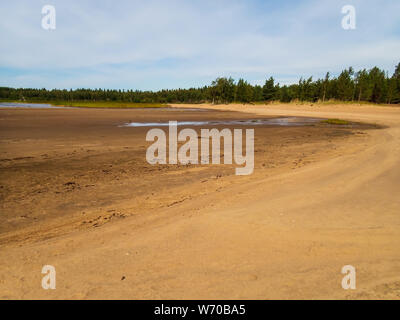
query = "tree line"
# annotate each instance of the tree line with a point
(374, 85)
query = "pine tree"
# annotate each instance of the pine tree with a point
(377, 83)
(396, 84)
(345, 85)
(257, 93)
(325, 86)
(285, 96)
(269, 89)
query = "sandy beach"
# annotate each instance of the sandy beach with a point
(77, 193)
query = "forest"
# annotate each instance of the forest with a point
(374, 85)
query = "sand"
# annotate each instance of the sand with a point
(77, 193)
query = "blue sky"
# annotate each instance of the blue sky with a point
(153, 44)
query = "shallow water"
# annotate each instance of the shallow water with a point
(284, 121)
(27, 105)
(281, 121)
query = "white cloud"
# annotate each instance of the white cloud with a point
(154, 44)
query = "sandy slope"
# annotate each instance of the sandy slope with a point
(285, 235)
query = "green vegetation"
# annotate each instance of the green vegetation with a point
(336, 122)
(374, 85)
(108, 104)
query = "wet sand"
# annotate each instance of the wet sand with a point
(82, 167)
(77, 193)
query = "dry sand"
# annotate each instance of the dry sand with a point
(77, 193)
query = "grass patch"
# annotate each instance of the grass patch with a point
(336, 122)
